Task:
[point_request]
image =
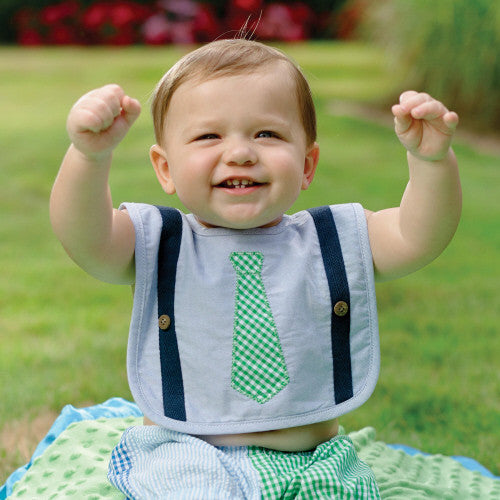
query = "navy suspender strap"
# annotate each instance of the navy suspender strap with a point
(340, 297)
(171, 373)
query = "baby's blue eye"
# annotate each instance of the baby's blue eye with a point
(207, 137)
(266, 134)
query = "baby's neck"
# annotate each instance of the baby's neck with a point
(208, 225)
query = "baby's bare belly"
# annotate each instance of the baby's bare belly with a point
(302, 438)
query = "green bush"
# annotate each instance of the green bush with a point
(449, 48)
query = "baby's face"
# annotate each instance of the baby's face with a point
(234, 149)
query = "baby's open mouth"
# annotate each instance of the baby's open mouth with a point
(238, 184)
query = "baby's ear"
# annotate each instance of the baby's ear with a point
(160, 164)
(310, 164)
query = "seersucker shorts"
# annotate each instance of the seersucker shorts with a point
(152, 462)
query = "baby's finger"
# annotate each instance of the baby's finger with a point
(96, 110)
(96, 115)
(108, 103)
(105, 102)
(428, 110)
(410, 100)
(110, 91)
(131, 109)
(112, 95)
(402, 119)
(451, 119)
(86, 119)
(407, 95)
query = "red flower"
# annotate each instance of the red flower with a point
(182, 21)
(125, 36)
(62, 35)
(29, 37)
(53, 14)
(95, 16)
(302, 14)
(182, 32)
(278, 23)
(248, 5)
(205, 26)
(127, 13)
(243, 13)
(180, 9)
(115, 22)
(122, 15)
(156, 30)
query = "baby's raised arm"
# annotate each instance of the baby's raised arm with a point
(98, 238)
(408, 237)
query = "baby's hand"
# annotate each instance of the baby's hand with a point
(100, 120)
(424, 126)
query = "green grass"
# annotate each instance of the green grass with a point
(63, 334)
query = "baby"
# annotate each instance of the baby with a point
(252, 330)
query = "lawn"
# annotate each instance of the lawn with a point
(63, 334)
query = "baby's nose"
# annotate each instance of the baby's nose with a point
(240, 153)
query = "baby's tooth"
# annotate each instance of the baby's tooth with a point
(244, 182)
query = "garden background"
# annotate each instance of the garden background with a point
(63, 334)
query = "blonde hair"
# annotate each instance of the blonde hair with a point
(225, 58)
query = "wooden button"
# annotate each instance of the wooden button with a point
(340, 308)
(164, 321)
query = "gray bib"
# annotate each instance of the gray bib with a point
(238, 331)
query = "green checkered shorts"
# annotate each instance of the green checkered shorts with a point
(331, 471)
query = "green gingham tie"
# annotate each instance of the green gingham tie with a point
(258, 369)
